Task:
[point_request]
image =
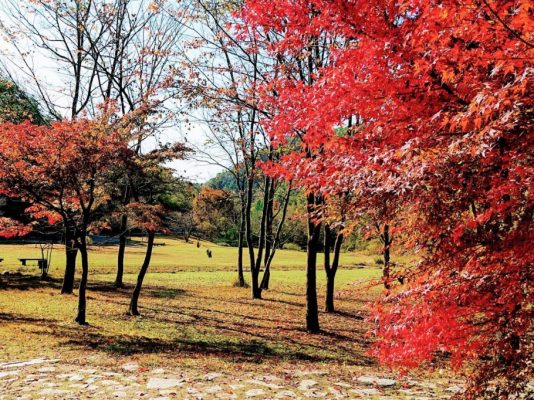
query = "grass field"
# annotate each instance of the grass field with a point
(192, 315)
(188, 301)
(173, 256)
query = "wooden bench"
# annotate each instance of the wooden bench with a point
(41, 263)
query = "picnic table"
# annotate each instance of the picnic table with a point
(42, 263)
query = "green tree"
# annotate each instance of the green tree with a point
(17, 106)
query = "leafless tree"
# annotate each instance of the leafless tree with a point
(224, 99)
(81, 54)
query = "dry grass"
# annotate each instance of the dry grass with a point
(192, 318)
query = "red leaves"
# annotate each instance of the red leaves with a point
(38, 211)
(439, 98)
(59, 169)
(10, 228)
(147, 216)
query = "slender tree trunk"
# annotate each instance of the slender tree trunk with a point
(266, 277)
(329, 301)
(331, 275)
(269, 238)
(133, 310)
(240, 274)
(269, 223)
(71, 251)
(387, 243)
(122, 248)
(256, 287)
(82, 302)
(276, 240)
(256, 294)
(312, 311)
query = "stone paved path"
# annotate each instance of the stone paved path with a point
(54, 379)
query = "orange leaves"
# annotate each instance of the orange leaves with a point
(59, 169)
(147, 216)
(10, 228)
(38, 211)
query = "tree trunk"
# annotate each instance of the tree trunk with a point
(256, 288)
(240, 274)
(83, 282)
(312, 311)
(276, 241)
(256, 294)
(269, 238)
(269, 222)
(329, 300)
(133, 310)
(71, 251)
(387, 243)
(122, 249)
(331, 275)
(266, 277)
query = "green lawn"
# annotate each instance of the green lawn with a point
(192, 316)
(174, 256)
(188, 302)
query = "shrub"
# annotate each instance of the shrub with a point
(292, 246)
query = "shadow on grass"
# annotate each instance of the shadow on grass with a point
(28, 282)
(346, 314)
(163, 293)
(286, 302)
(127, 345)
(233, 349)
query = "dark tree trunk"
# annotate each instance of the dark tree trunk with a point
(312, 311)
(122, 248)
(331, 270)
(256, 287)
(240, 274)
(269, 223)
(256, 293)
(276, 240)
(71, 251)
(133, 310)
(269, 238)
(266, 277)
(387, 243)
(83, 282)
(329, 300)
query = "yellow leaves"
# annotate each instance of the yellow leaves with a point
(154, 7)
(447, 76)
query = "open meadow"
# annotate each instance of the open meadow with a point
(387, 147)
(198, 336)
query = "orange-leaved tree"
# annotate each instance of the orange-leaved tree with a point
(61, 170)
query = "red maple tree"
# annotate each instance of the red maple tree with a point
(439, 94)
(60, 170)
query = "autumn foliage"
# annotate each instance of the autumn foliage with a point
(427, 104)
(61, 171)
(58, 168)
